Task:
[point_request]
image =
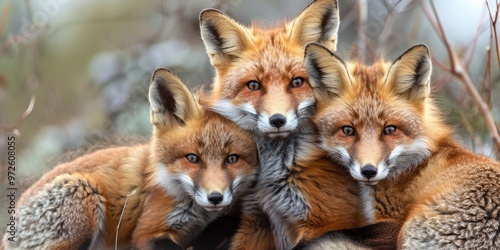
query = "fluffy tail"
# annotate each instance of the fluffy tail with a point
(66, 213)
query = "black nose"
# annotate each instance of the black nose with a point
(368, 171)
(215, 198)
(277, 120)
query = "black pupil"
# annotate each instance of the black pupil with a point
(253, 85)
(348, 130)
(232, 159)
(390, 130)
(192, 158)
(297, 82)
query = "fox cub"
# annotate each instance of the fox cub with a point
(381, 124)
(196, 165)
(261, 85)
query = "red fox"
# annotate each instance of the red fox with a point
(261, 85)
(196, 165)
(381, 124)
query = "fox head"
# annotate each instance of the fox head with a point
(378, 120)
(197, 153)
(260, 82)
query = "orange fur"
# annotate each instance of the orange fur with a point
(78, 204)
(273, 59)
(443, 195)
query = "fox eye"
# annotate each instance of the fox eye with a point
(348, 130)
(193, 158)
(232, 159)
(390, 130)
(253, 85)
(297, 82)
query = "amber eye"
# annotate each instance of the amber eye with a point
(193, 158)
(390, 130)
(297, 82)
(348, 130)
(232, 159)
(253, 85)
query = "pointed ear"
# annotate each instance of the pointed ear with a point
(409, 76)
(318, 23)
(224, 38)
(328, 74)
(172, 104)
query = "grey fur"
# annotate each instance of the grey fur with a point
(53, 215)
(189, 219)
(283, 203)
(466, 218)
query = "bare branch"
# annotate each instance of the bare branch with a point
(494, 27)
(457, 68)
(15, 129)
(121, 216)
(439, 64)
(472, 47)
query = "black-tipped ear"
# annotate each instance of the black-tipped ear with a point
(318, 23)
(172, 104)
(410, 75)
(223, 37)
(327, 73)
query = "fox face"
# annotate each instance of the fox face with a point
(260, 81)
(199, 154)
(374, 120)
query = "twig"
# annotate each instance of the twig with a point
(121, 216)
(439, 64)
(494, 25)
(457, 68)
(441, 81)
(15, 129)
(472, 47)
(486, 81)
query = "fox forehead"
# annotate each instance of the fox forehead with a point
(211, 137)
(271, 59)
(367, 104)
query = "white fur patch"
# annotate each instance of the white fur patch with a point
(290, 125)
(404, 157)
(367, 202)
(177, 184)
(306, 103)
(201, 198)
(237, 181)
(244, 115)
(419, 144)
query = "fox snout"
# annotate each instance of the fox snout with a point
(368, 171)
(215, 198)
(277, 120)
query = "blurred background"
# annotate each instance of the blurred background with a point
(74, 73)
